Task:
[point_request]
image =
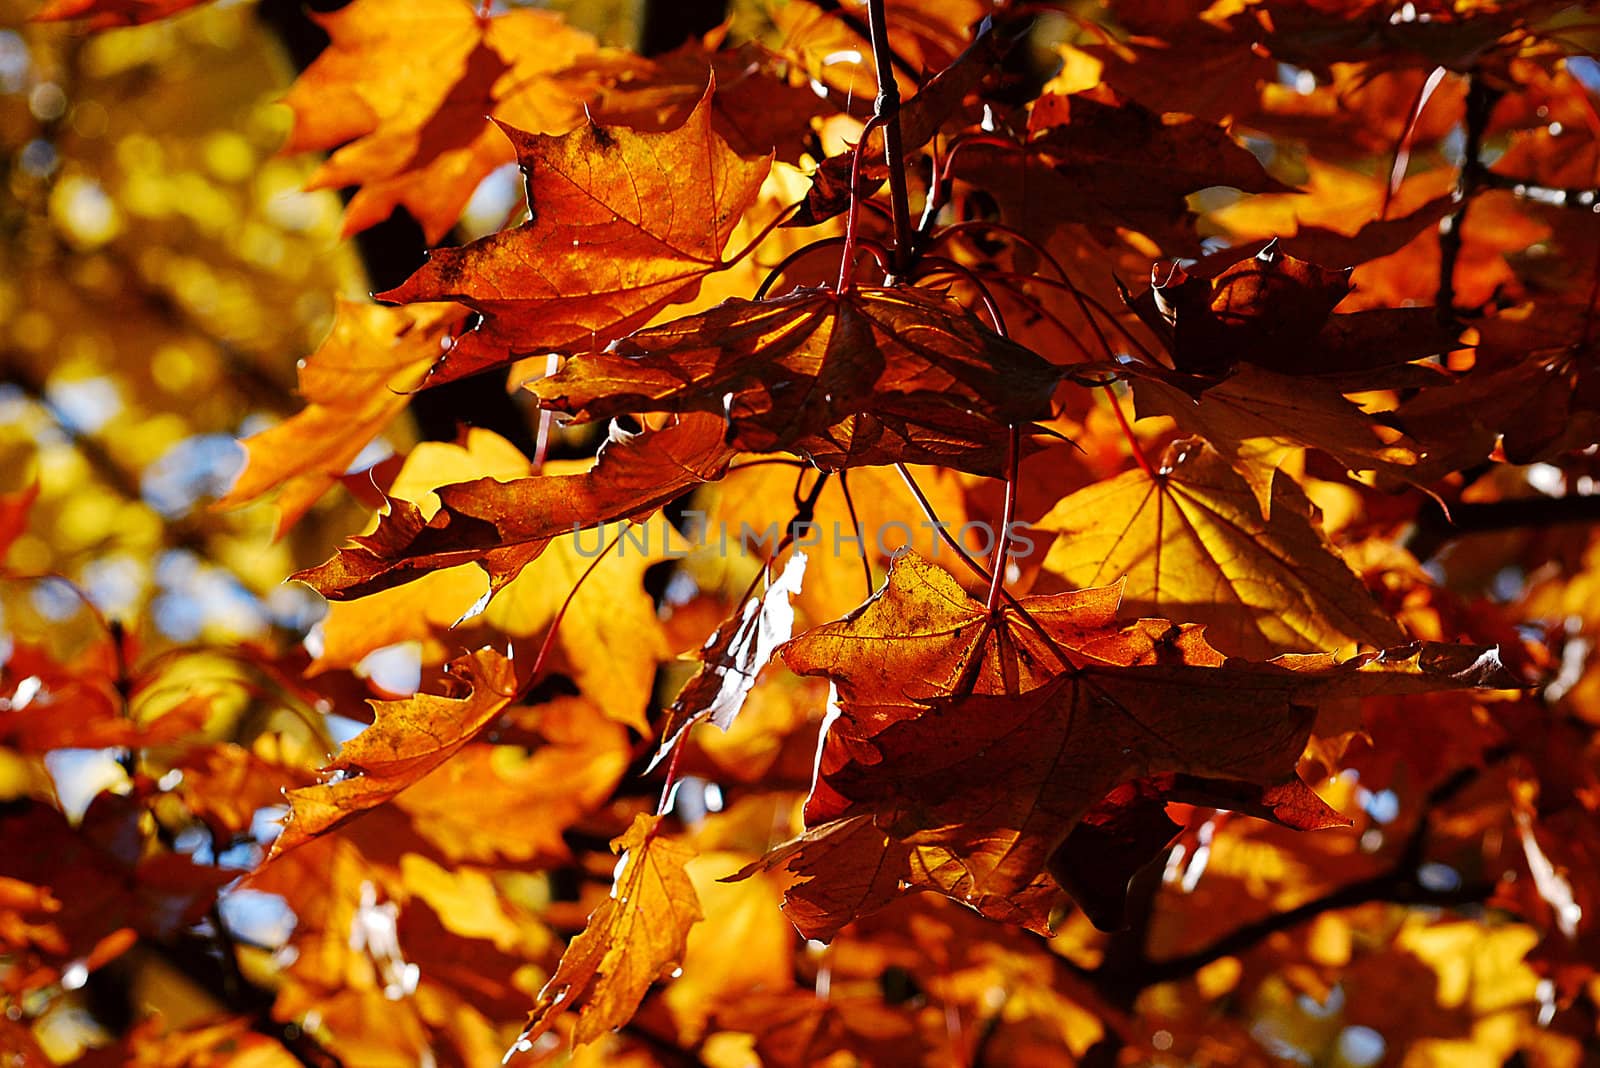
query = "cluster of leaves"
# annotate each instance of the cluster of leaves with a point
(1168, 634)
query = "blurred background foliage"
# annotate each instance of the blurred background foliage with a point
(163, 271)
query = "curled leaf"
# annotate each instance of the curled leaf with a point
(407, 740)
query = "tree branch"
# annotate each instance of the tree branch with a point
(1480, 101)
(1399, 885)
(1391, 886)
(1433, 530)
(886, 109)
(834, 8)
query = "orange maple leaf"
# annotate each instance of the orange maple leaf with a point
(407, 92)
(355, 385)
(988, 739)
(502, 526)
(407, 740)
(622, 224)
(638, 935)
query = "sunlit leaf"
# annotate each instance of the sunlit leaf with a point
(622, 224)
(637, 936)
(416, 134)
(791, 367)
(407, 740)
(1190, 544)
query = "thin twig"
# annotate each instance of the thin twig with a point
(1127, 431)
(978, 569)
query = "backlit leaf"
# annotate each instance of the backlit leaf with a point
(622, 224)
(961, 736)
(1191, 545)
(637, 936)
(354, 385)
(415, 134)
(501, 526)
(407, 740)
(787, 368)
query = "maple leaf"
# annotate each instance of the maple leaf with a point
(920, 118)
(501, 526)
(846, 868)
(1217, 76)
(638, 935)
(226, 785)
(831, 41)
(1256, 418)
(1191, 545)
(416, 133)
(1533, 389)
(621, 225)
(355, 385)
(1095, 159)
(609, 638)
(475, 806)
(793, 366)
(407, 740)
(734, 915)
(79, 703)
(758, 106)
(103, 891)
(1275, 311)
(932, 720)
(955, 438)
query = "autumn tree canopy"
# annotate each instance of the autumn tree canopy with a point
(800, 533)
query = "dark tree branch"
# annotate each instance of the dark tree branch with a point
(1480, 102)
(1543, 194)
(1399, 885)
(1433, 530)
(900, 63)
(1392, 886)
(886, 109)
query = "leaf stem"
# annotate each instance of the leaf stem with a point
(561, 613)
(848, 259)
(1003, 230)
(933, 519)
(879, 253)
(761, 235)
(1085, 302)
(1127, 431)
(1002, 548)
(855, 528)
(979, 570)
(1402, 148)
(886, 111)
(938, 264)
